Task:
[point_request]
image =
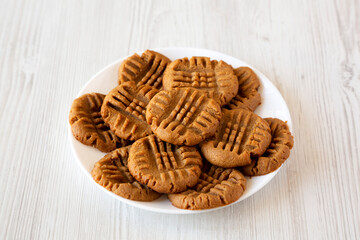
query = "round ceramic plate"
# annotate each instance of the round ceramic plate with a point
(273, 105)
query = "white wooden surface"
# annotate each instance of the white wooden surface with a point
(309, 49)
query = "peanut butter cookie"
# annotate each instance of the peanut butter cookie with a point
(164, 167)
(183, 116)
(241, 134)
(145, 70)
(276, 154)
(216, 187)
(248, 96)
(124, 110)
(112, 173)
(88, 126)
(215, 78)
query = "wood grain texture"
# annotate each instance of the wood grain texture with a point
(309, 49)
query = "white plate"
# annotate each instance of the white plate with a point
(273, 105)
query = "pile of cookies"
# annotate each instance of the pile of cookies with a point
(185, 128)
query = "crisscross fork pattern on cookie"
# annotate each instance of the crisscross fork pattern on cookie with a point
(201, 79)
(125, 101)
(186, 115)
(232, 137)
(145, 70)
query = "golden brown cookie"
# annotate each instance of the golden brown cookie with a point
(145, 70)
(241, 134)
(124, 110)
(88, 126)
(248, 96)
(112, 173)
(216, 187)
(215, 78)
(276, 154)
(164, 167)
(183, 116)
